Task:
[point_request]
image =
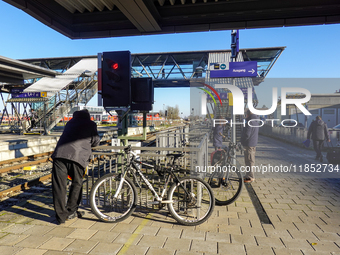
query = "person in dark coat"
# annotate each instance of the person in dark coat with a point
(218, 136)
(319, 131)
(70, 157)
(33, 119)
(249, 138)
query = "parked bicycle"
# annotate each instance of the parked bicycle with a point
(113, 197)
(226, 181)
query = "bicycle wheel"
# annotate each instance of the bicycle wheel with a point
(103, 203)
(226, 188)
(193, 201)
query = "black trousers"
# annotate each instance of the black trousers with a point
(317, 144)
(62, 168)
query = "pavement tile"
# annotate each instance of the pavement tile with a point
(38, 230)
(12, 239)
(8, 216)
(30, 251)
(22, 220)
(106, 249)
(81, 223)
(207, 226)
(124, 228)
(306, 235)
(317, 253)
(103, 226)
(259, 250)
(285, 225)
(124, 238)
(230, 249)
(191, 234)
(243, 239)
(179, 252)
(281, 206)
(252, 231)
(285, 251)
(157, 251)
(104, 236)
(236, 209)
(17, 228)
(134, 250)
(83, 246)
(325, 246)
(33, 241)
(249, 216)
(297, 244)
(152, 241)
(5, 225)
(60, 232)
(56, 243)
(44, 222)
(169, 232)
(330, 228)
(204, 246)
(146, 230)
(139, 220)
(328, 236)
(218, 220)
(9, 250)
(227, 214)
(230, 229)
(180, 244)
(83, 234)
(268, 241)
(306, 227)
(218, 237)
(240, 222)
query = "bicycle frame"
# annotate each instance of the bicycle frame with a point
(133, 164)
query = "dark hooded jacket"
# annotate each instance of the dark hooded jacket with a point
(80, 134)
(250, 134)
(318, 130)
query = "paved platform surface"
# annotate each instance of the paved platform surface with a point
(304, 212)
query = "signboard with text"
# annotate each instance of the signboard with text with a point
(236, 70)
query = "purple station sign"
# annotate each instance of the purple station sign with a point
(236, 69)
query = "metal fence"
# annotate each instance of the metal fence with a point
(105, 161)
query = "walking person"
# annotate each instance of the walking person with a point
(218, 136)
(33, 119)
(249, 138)
(319, 131)
(70, 157)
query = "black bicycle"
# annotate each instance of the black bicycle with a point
(226, 180)
(113, 197)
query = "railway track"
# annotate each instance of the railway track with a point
(38, 167)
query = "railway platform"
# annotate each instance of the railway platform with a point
(298, 214)
(16, 146)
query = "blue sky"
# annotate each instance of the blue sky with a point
(312, 51)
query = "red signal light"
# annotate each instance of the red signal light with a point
(115, 66)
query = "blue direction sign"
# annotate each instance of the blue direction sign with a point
(29, 94)
(237, 69)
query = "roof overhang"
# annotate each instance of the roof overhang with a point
(79, 19)
(15, 71)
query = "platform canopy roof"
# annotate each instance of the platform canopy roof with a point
(78, 19)
(15, 71)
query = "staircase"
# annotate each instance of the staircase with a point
(53, 111)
